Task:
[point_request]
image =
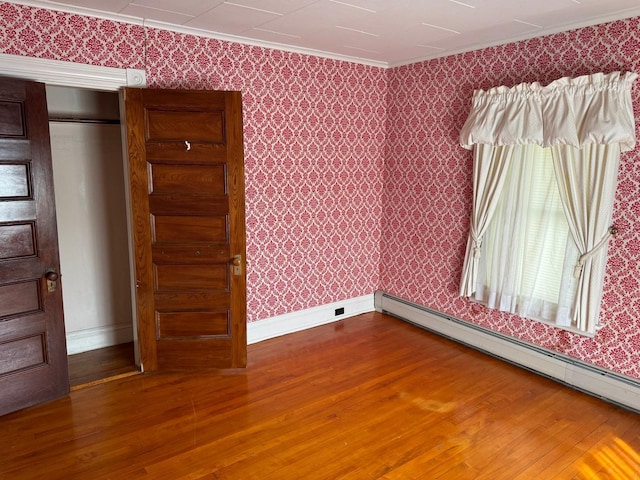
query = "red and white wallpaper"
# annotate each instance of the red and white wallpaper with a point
(354, 177)
(314, 132)
(42, 33)
(427, 194)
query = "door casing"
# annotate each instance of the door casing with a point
(61, 73)
(69, 74)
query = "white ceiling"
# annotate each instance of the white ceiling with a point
(376, 32)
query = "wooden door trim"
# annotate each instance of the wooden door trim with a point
(236, 217)
(139, 225)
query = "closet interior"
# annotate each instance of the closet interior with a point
(89, 180)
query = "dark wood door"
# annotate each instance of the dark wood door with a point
(33, 356)
(186, 180)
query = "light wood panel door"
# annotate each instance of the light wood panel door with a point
(187, 207)
(33, 357)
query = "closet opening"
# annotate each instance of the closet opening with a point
(89, 182)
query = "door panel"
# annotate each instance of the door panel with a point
(33, 357)
(188, 179)
(14, 181)
(179, 125)
(187, 203)
(191, 324)
(170, 229)
(19, 298)
(17, 240)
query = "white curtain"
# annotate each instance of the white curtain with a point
(587, 179)
(489, 173)
(581, 118)
(592, 109)
(525, 246)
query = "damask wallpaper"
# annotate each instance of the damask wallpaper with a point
(354, 177)
(427, 194)
(314, 134)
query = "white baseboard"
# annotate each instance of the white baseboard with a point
(309, 318)
(596, 381)
(92, 338)
(98, 337)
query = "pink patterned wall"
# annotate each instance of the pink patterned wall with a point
(41, 33)
(314, 148)
(327, 210)
(314, 145)
(427, 193)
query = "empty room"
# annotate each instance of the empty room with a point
(319, 239)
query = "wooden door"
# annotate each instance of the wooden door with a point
(186, 180)
(33, 356)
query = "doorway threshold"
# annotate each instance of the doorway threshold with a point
(101, 365)
(104, 380)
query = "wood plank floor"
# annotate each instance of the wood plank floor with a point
(369, 397)
(88, 368)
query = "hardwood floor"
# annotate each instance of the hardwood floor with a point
(370, 397)
(95, 366)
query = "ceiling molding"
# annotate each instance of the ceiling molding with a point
(197, 32)
(628, 13)
(89, 12)
(258, 43)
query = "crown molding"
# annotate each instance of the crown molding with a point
(196, 31)
(543, 32)
(259, 43)
(52, 5)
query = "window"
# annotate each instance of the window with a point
(527, 254)
(522, 261)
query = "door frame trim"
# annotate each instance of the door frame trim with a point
(69, 74)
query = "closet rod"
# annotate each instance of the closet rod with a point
(84, 120)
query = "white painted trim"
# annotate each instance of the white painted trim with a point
(591, 379)
(70, 74)
(87, 12)
(309, 318)
(621, 15)
(56, 72)
(53, 5)
(98, 337)
(264, 44)
(225, 37)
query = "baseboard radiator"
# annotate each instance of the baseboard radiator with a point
(609, 386)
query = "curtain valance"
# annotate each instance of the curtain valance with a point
(591, 109)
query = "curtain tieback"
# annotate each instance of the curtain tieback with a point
(577, 270)
(476, 247)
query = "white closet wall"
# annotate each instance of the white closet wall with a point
(91, 215)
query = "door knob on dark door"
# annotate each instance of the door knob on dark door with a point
(236, 261)
(52, 278)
